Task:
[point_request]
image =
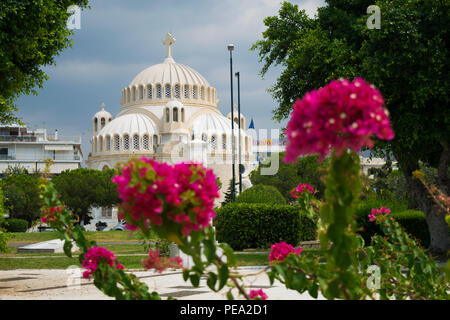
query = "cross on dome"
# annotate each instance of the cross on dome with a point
(169, 41)
(103, 106)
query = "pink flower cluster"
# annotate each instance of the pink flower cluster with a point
(300, 189)
(281, 250)
(51, 214)
(92, 258)
(375, 212)
(152, 192)
(341, 115)
(155, 261)
(258, 295)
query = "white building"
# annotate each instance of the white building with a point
(29, 149)
(169, 112)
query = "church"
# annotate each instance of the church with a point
(169, 112)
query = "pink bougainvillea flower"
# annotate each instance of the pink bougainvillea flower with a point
(258, 294)
(92, 258)
(280, 251)
(383, 211)
(342, 115)
(303, 187)
(155, 261)
(51, 214)
(153, 192)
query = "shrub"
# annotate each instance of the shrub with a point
(261, 194)
(412, 221)
(16, 225)
(258, 225)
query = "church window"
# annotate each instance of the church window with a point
(242, 122)
(158, 91)
(208, 92)
(224, 141)
(246, 144)
(95, 124)
(149, 92)
(194, 92)
(177, 91)
(116, 143)
(126, 142)
(133, 98)
(168, 93)
(135, 142)
(155, 140)
(213, 142)
(108, 143)
(192, 136)
(204, 138)
(100, 144)
(128, 95)
(182, 114)
(175, 114)
(145, 142)
(102, 123)
(202, 93)
(186, 91)
(167, 115)
(141, 92)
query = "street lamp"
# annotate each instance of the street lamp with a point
(231, 48)
(239, 129)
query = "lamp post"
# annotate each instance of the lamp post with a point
(237, 74)
(233, 182)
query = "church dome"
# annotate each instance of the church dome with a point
(168, 81)
(132, 123)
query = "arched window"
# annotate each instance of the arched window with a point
(150, 92)
(236, 120)
(116, 143)
(194, 92)
(213, 142)
(168, 93)
(126, 142)
(102, 123)
(182, 114)
(186, 91)
(246, 144)
(175, 115)
(177, 91)
(224, 141)
(108, 143)
(100, 144)
(158, 91)
(128, 95)
(208, 94)
(204, 137)
(155, 140)
(133, 94)
(192, 136)
(145, 141)
(94, 145)
(135, 142)
(167, 115)
(95, 124)
(202, 93)
(242, 122)
(141, 93)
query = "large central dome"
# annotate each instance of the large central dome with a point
(168, 81)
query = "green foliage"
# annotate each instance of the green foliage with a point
(289, 175)
(261, 194)
(32, 33)
(21, 196)
(83, 188)
(413, 222)
(251, 225)
(4, 235)
(229, 194)
(16, 225)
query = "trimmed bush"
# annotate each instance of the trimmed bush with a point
(16, 225)
(413, 222)
(261, 194)
(258, 225)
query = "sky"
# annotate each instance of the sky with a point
(119, 39)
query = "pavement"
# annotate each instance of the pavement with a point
(68, 284)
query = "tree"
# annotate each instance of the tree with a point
(407, 59)
(289, 175)
(82, 188)
(261, 194)
(32, 33)
(21, 196)
(229, 194)
(4, 236)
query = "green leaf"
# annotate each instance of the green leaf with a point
(68, 248)
(209, 249)
(223, 276)
(211, 282)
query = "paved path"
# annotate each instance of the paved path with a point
(64, 285)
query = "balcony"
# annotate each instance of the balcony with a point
(18, 138)
(12, 157)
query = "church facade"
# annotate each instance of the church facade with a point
(169, 112)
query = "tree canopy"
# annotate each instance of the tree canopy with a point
(32, 33)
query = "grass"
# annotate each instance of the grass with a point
(99, 236)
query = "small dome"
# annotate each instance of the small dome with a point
(212, 123)
(132, 123)
(102, 114)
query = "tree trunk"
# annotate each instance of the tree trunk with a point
(435, 216)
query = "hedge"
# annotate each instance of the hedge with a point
(261, 194)
(413, 222)
(258, 225)
(16, 225)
